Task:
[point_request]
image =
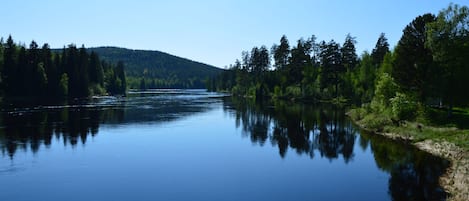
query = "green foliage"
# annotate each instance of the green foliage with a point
(429, 66)
(63, 88)
(277, 92)
(348, 52)
(97, 89)
(331, 65)
(238, 91)
(39, 73)
(281, 54)
(167, 70)
(300, 58)
(386, 89)
(381, 49)
(387, 64)
(309, 70)
(439, 117)
(293, 91)
(403, 107)
(311, 90)
(376, 121)
(252, 92)
(414, 68)
(417, 131)
(358, 114)
(364, 80)
(448, 40)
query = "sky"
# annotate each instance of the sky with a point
(214, 32)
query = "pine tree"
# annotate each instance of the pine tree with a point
(348, 51)
(381, 49)
(9, 65)
(413, 65)
(120, 74)
(331, 65)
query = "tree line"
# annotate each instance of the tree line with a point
(155, 69)
(308, 70)
(429, 66)
(45, 73)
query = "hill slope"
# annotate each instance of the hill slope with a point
(159, 69)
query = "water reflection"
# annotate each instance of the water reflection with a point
(324, 130)
(414, 173)
(29, 130)
(305, 129)
(314, 131)
(28, 126)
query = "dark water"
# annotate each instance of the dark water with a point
(193, 145)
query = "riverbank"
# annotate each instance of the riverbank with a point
(456, 179)
(448, 143)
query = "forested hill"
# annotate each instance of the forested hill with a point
(155, 69)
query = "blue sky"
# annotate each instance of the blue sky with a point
(210, 31)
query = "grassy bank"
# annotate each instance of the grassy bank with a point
(433, 125)
(431, 131)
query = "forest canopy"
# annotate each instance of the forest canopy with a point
(147, 69)
(428, 67)
(41, 73)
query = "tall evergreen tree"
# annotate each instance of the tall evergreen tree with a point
(413, 65)
(381, 49)
(73, 71)
(51, 71)
(9, 65)
(84, 76)
(120, 73)
(21, 84)
(281, 53)
(96, 72)
(348, 51)
(32, 74)
(331, 65)
(1, 65)
(299, 59)
(260, 62)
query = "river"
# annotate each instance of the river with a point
(196, 145)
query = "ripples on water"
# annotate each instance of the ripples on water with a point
(218, 148)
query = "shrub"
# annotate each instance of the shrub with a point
(357, 113)
(252, 91)
(403, 107)
(293, 91)
(277, 92)
(96, 90)
(376, 122)
(311, 90)
(386, 89)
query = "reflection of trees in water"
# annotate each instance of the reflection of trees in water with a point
(414, 173)
(33, 126)
(303, 128)
(30, 130)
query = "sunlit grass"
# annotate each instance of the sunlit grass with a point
(434, 125)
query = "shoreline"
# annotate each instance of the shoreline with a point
(455, 180)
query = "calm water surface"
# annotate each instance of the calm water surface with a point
(194, 145)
